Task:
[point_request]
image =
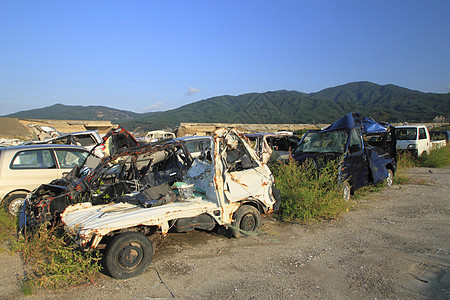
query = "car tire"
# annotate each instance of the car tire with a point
(390, 178)
(128, 255)
(346, 191)
(246, 220)
(12, 203)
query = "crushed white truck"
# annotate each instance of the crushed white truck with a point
(416, 139)
(225, 186)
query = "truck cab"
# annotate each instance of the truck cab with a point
(416, 139)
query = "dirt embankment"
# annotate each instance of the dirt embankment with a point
(393, 244)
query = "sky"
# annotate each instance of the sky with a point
(145, 56)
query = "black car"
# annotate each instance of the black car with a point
(365, 148)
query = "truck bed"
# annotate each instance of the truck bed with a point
(85, 220)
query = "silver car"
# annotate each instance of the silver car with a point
(24, 168)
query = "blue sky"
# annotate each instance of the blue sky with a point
(156, 55)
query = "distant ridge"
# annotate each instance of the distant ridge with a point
(77, 112)
(389, 103)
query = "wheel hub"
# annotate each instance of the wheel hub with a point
(248, 223)
(130, 255)
(14, 206)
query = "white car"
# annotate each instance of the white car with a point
(230, 187)
(24, 168)
(87, 139)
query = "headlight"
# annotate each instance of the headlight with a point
(412, 146)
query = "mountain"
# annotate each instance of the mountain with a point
(270, 107)
(78, 112)
(382, 102)
(388, 102)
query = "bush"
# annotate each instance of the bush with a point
(405, 161)
(52, 261)
(7, 230)
(307, 192)
(437, 158)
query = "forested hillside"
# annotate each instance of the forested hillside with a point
(383, 102)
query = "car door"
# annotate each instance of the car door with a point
(68, 159)
(29, 169)
(356, 160)
(423, 141)
(244, 176)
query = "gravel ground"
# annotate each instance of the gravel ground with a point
(393, 244)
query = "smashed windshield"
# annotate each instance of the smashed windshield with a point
(406, 133)
(324, 142)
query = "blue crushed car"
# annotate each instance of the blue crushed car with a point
(365, 148)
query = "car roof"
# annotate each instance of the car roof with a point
(409, 126)
(64, 135)
(193, 138)
(41, 146)
(276, 134)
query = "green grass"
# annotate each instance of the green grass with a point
(8, 225)
(438, 158)
(308, 194)
(405, 161)
(53, 261)
(50, 258)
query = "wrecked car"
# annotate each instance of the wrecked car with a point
(365, 148)
(116, 139)
(87, 139)
(48, 200)
(230, 188)
(126, 170)
(197, 144)
(277, 144)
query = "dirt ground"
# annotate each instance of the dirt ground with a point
(393, 244)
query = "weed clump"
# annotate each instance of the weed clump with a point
(7, 230)
(52, 261)
(309, 192)
(405, 161)
(438, 158)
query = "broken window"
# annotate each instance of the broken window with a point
(236, 155)
(324, 142)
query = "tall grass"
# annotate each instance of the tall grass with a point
(7, 231)
(53, 261)
(308, 193)
(438, 158)
(405, 161)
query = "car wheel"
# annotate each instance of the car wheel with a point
(128, 255)
(246, 220)
(346, 191)
(13, 203)
(390, 178)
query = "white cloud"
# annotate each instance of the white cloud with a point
(154, 106)
(192, 90)
(448, 87)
